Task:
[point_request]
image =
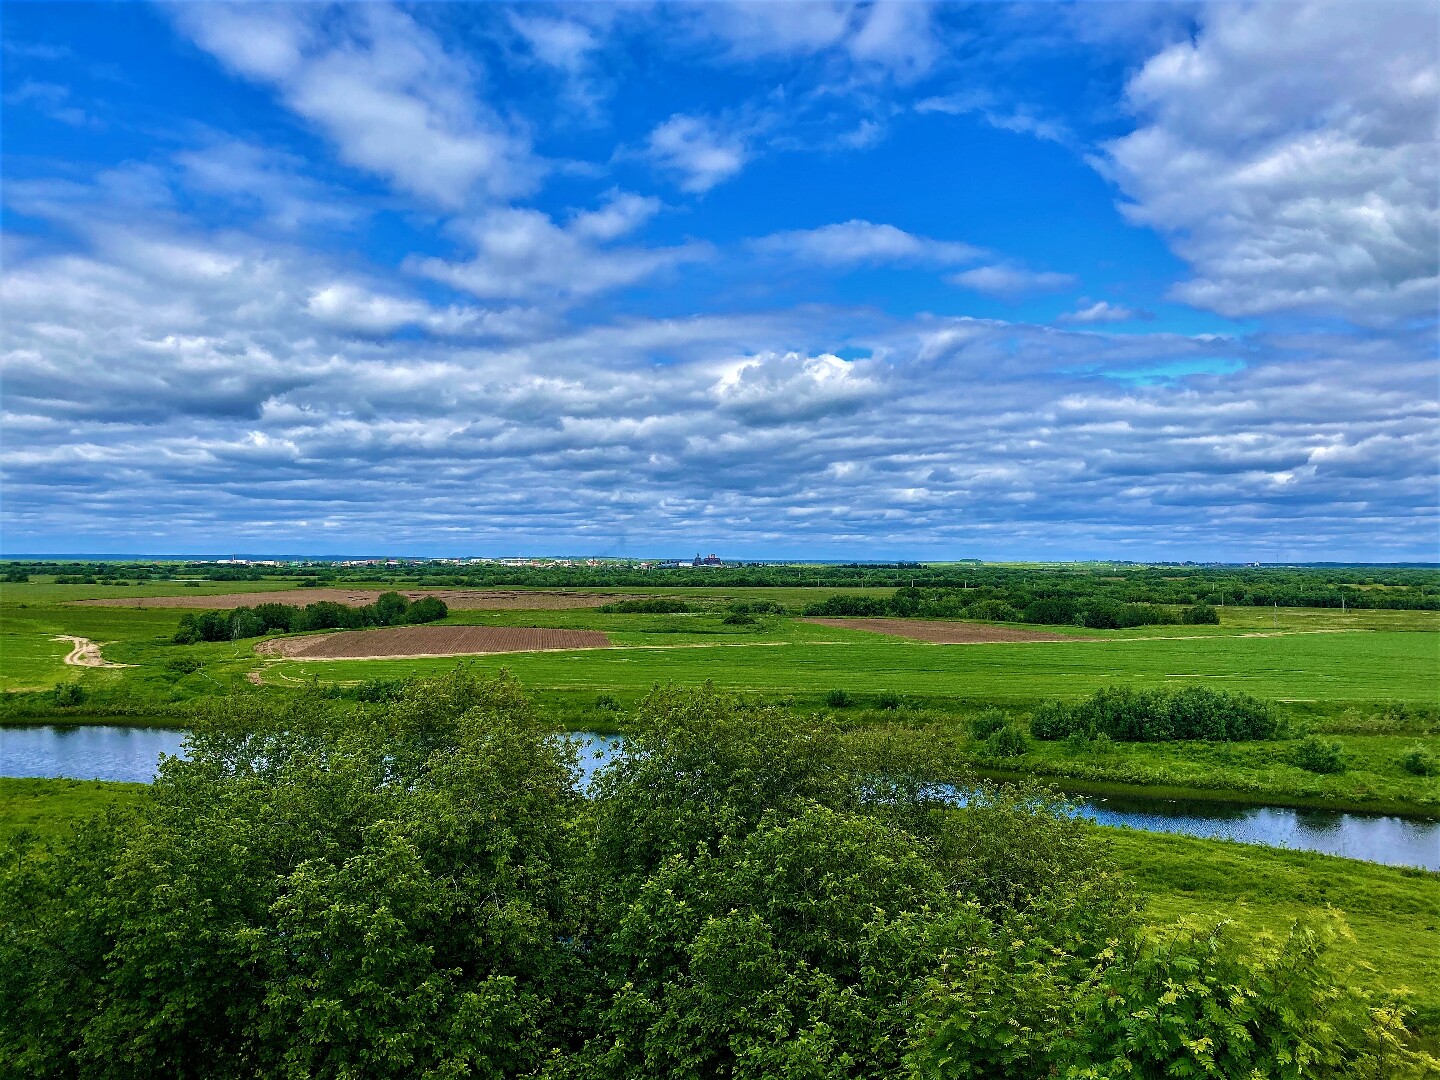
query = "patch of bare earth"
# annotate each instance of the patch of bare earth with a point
(455, 599)
(418, 642)
(945, 633)
(85, 653)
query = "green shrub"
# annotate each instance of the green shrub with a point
(607, 703)
(1419, 761)
(838, 699)
(183, 665)
(1318, 756)
(67, 694)
(986, 722)
(992, 611)
(756, 607)
(887, 699)
(1201, 614)
(739, 618)
(1195, 712)
(1009, 741)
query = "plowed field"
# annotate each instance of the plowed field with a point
(456, 599)
(414, 642)
(944, 633)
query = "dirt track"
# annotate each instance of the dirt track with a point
(944, 633)
(419, 642)
(456, 599)
(85, 653)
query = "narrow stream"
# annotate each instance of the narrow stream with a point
(126, 753)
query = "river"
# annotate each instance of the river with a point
(126, 753)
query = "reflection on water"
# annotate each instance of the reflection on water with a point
(126, 753)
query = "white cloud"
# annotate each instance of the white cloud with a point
(384, 89)
(698, 150)
(1289, 152)
(1020, 119)
(524, 253)
(858, 242)
(51, 100)
(1102, 311)
(1009, 280)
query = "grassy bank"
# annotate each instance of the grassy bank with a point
(1393, 913)
(53, 807)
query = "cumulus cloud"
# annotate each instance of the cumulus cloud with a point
(383, 88)
(1010, 281)
(858, 242)
(1289, 152)
(698, 151)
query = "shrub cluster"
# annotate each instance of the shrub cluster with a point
(1127, 715)
(660, 605)
(418, 889)
(389, 609)
(1096, 612)
(1319, 756)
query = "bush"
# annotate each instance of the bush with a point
(658, 606)
(1201, 614)
(1050, 611)
(986, 722)
(838, 699)
(379, 691)
(1419, 761)
(607, 703)
(183, 665)
(67, 694)
(887, 699)
(739, 618)
(389, 609)
(1318, 756)
(843, 607)
(1009, 741)
(992, 611)
(1196, 712)
(756, 607)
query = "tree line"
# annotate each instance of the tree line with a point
(389, 609)
(420, 889)
(1095, 612)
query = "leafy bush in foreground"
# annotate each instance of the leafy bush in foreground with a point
(1419, 761)
(1195, 712)
(417, 889)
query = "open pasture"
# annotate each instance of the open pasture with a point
(459, 599)
(945, 633)
(1288, 666)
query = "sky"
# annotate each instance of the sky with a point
(889, 280)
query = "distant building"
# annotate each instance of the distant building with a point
(709, 560)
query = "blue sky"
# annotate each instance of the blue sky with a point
(850, 280)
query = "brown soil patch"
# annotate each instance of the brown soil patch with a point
(85, 653)
(456, 599)
(945, 633)
(416, 642)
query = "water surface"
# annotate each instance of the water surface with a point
(125, 753)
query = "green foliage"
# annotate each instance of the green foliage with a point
(1420, 761)
(389, 609)
(1201, 614)
(658, 606)
(739, 618)
(1006, 742)
(417, 889)
(1319, 756)
(607, 703)
(986, 722)
(839, 699)
(68, 694)
(755, 607)
(887, 699)
(183, 665)
(1195, 712)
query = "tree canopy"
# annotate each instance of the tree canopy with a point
(417, 888)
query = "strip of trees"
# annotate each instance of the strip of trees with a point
(389, 609)
(1097, 613)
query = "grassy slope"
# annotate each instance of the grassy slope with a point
(51, 807)
(1394, 913)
